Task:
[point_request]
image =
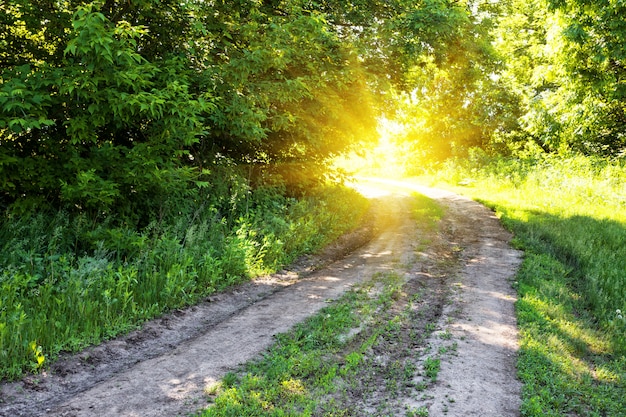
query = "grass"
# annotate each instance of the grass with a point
(427, 211)
(568, 214)
(304, 365)
(323, 367)
(311, 369)
(67, 281)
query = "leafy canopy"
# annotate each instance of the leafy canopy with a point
(110, 105)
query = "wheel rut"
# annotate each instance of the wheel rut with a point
(164, 368)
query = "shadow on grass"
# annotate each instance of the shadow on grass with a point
(589, 257)
(572, 341)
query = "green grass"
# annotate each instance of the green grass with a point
(303, 366)
(67, 281)
(322, 367)
(569, 217)
(427, 211)
(309, 368)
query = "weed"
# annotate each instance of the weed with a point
(215, 388)
(38, 356)
(421, 386)
(409, 370)
(431, 368)
(230, 379)
(417, 412)
(427, 211)
(446, 335)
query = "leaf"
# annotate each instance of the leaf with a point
(202, 184)
(37, 352)
(70, 48)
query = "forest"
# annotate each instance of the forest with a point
(153, 152)
(108, 106)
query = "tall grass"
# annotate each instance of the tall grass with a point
(573, 208)
(569, 216)
(66, 282)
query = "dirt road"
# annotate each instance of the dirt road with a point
(163, 369)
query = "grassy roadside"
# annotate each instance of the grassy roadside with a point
(569, 216)
(66, 281)
(355, 357)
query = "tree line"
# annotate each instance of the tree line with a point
(109, 105)
(114, 103)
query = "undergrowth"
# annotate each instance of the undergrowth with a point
(67, 281)
(568, 214)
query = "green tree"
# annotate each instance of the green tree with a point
(454, 96)
(564, 62)
(594, 60)
(94, 112)
(289, 88)
(115, 104)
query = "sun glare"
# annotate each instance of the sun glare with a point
(387, 158)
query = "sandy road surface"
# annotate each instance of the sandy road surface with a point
(163, 369)
(480, 380)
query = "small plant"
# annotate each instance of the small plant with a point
(409, 370)
(214, 389)
(417, 412)
(430, 327)
(421, 386)
(230, 379)
(431, 368)
(38, 356)
(446, 335)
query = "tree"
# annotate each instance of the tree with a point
(289, 89)
(564, 61)
(95, 112)
(112, 105)
(594, 35)
(454, 97)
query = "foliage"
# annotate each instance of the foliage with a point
(66, 282)
(456, 101)
(568, 216)
(289, 89)
(564, 60)
(107, 105)
(500, 75)
(102, 106)
(453, 96)
(92, 114)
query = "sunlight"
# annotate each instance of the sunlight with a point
(387, 158)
